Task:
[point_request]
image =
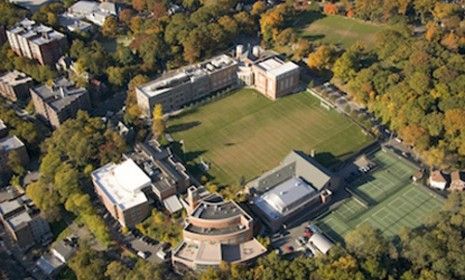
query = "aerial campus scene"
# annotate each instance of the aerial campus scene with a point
(232, 139)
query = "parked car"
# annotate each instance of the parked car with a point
(143, 255)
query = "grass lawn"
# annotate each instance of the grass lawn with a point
(395, 202)
(245, 134)
(337, 30)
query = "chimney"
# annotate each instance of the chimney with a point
(192, 198)
(256, 51)
(239, 50)
(62, 92)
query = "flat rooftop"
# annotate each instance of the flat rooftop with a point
(217, 211)
(10, 143)
(186, 75)
(276, 67)
(214, 253)
(31, 5)
(15, 78)
(19, 220)
(285, 197)
(122, 183)
(7, 207)
(39, 34)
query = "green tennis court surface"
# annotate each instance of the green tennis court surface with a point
(394, 202)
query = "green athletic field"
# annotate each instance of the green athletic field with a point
(394, 202)
(245, 134)
(337, 30)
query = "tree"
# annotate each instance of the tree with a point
(366, 242)
(110, 27)
(88, 264)
(258, 8)
(126, 15)
(117, 271)
(321, 58)
(454, 121)
(415, 135)
(158, 121)
(16, 163)
(113, 148)
(192, 47)
(424, 7)
(450, 41)
(116, 75)
(302, 49)
(46, 199)
(159, 9)
(132, 112)
(139, 5)
(124, 56)
(345, 67)
(286, 37)
(330, 9)
(432, 31)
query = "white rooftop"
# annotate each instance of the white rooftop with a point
(284, 198)
(276, 67)
(10, 143)
(15, 78)
(185, 75)
(173, 204)
(320, 242)
(19, 220)
(122, 183)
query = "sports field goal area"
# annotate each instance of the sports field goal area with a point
(394, 201)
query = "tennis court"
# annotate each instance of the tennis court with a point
(394, 202)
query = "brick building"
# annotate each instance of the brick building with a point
(59, 101)
(215, 231)
(36, 41)
(9, 145)
(15, 86)
(181, 87)
(265, 71)
(23, 223)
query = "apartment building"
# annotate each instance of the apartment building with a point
(15, 86)
(23, 223)
(36, 41)
(59, 101)
(215, 231)
(181, 87)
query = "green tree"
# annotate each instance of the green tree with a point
(88, 264)
(110, 27)
(15, 162)
(117, 271)
(116, 75)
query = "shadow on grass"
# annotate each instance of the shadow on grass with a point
(306, 18)
(313, 37)
(182, 127)
(59, 226)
